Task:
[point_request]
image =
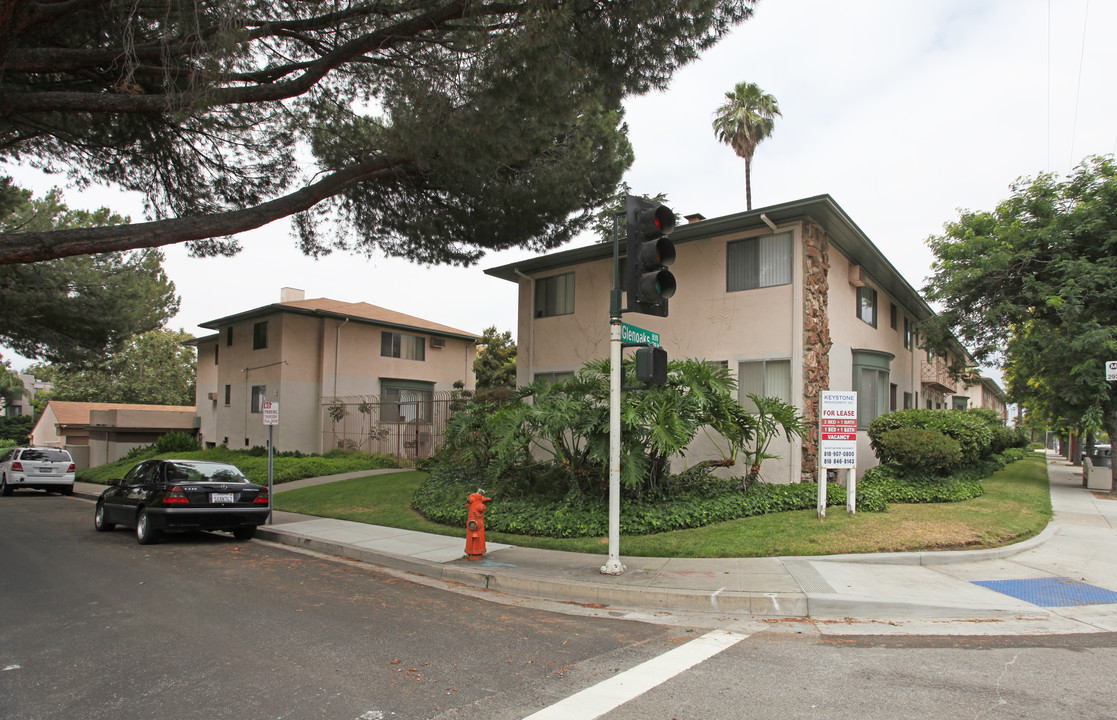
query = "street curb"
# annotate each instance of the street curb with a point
(801, 604)
(560, 590)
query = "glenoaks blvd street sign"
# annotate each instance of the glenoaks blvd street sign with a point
(1111, 370)
(271, 412)
(837, 418)
(633, 334)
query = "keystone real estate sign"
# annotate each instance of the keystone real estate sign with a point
(837, 418)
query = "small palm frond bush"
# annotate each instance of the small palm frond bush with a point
(542, 454)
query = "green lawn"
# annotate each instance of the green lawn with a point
(1016, 505)
(255, 467)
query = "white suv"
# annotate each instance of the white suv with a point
(50, 469)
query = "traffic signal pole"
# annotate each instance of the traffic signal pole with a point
(650, 284)
(614, 566)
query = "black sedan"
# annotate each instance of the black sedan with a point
(159, 496)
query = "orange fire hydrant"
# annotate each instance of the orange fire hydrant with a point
(475, 527)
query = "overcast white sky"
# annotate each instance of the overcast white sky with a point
(904, 112)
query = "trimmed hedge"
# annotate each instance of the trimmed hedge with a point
(912, 447)
(972, 433)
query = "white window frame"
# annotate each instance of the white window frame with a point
(868, 298)
(771, 267)
(768, 377)
(403, 346)
(554, 295)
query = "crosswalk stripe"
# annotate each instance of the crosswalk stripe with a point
(595, 701)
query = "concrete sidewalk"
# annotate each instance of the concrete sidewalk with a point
(1064, 580)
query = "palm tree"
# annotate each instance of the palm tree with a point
(746, 118)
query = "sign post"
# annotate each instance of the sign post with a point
(271, 419)
(837, 438)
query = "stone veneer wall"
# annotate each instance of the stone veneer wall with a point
(816, 338)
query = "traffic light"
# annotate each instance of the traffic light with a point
(649, 252)
(651, 365)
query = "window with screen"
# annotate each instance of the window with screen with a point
(758, 262)
(554, 295)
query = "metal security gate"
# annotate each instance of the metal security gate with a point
(410, 427)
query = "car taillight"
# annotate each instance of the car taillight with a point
(72, 468)
(175, 496)
(262, 498)
(17, 466)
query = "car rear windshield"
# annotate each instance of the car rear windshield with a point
(205, 472)
(37, 455)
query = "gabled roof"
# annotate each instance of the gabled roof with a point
(356, 312)
(67, 412)
(822, 209)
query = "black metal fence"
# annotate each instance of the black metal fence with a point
(409, 425)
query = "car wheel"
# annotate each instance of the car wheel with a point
(99, 522)
(5, 488)
(145, 534)
(68, 490)
(244, 533)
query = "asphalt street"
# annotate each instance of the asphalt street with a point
(203, 626)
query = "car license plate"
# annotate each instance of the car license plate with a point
(221, 497)
(46, 470)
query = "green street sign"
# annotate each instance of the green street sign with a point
(633, 334)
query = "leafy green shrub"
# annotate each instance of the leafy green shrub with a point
(138, 453)
(919, 449)
(567, 423)
(1006, 438)
(174, 442)
(992, 418)
(902, 487)
(442, 497)
(969, 430)
(1015, 454)
(15, 431)
(1003, 437)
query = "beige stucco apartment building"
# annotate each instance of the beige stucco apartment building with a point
(793, 298)
(375, 365)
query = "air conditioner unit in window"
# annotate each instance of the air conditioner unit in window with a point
(438, 342)
(856, 276)
(212, 396)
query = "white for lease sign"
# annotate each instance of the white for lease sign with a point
(837, 419)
